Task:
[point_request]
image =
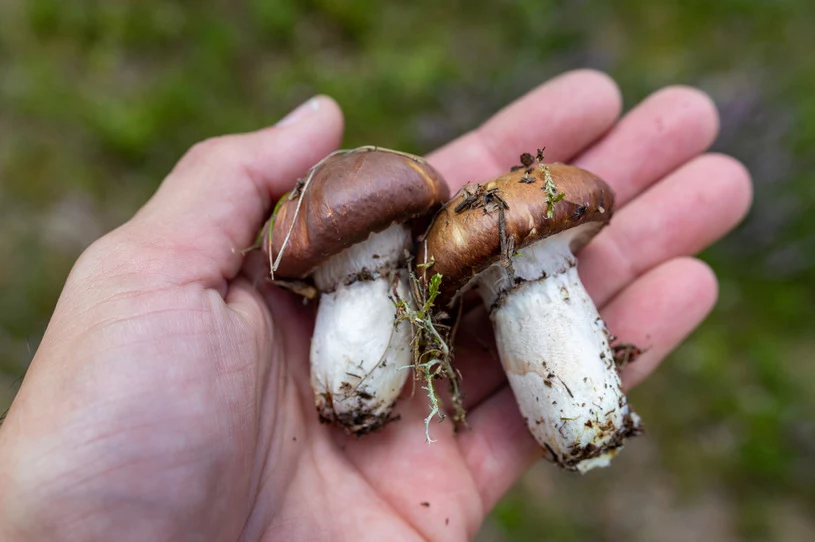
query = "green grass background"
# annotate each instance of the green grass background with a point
(98, 99)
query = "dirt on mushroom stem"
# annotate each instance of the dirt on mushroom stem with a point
(360, 348)
(554, 348)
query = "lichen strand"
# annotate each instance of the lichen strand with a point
(367, 417)
(432, 354)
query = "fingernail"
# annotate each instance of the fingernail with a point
(302, 111)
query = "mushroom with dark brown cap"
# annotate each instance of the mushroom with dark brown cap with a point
(347, 227)
(515, 240)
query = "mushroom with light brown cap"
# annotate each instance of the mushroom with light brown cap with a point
(347, 227)
(514, 238)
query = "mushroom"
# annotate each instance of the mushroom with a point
(553, 344)
(347, 227)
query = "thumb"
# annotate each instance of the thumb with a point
(219, 195)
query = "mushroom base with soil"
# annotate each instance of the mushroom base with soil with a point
(554, 347)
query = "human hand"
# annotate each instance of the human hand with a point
(170, 399)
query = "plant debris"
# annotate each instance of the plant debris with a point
(477, 197)
(432, 355)
(302, 288)
(507, 242)
(625, 354)
(296, 191)
(579, 212)
(552, 194)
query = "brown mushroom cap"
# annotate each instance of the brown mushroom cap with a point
(464, 243)
(350, 196)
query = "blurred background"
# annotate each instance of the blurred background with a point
(98, 100)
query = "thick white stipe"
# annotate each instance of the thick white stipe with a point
(358, 356)
(554, 348)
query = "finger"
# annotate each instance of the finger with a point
(216, 199)
(667, 129)
(277, 319)
(671, 302)
(565, 114)
(476, 357)
(657, 311)
(679, 216)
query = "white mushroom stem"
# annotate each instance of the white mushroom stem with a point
(358, 353)
(554, 347)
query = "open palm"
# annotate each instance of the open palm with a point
(169, 399)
